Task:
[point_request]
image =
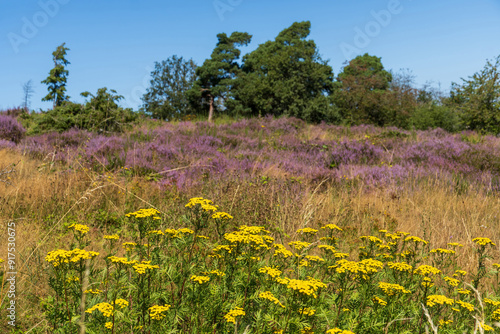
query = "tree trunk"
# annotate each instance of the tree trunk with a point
(211, 109)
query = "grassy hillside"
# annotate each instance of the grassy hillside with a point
(282, 174)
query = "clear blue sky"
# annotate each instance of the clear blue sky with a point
(115, 43)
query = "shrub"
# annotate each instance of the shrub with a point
(10, 129)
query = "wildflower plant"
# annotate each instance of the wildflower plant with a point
(210, 277)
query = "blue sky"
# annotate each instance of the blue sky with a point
(115, 43)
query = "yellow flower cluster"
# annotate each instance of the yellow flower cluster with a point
(141, 268)
(427, 282)
(214, 272)
(314, 258)
(366, 266)
(200, 279)
(371, 238)
(249, 235)
(416, 240)
(105, 308)
(156, 311)
(379, 300)
(112, 237)
(438, 299)
(108, 325)
(496, 314)
(129, 246)
(122, 260)
(442, 251)
(61, 256)
(426, 270)
(463, 291)
(327, 247)
(232, 314)
(452, 281)
(222, 215)
(454, 244)
(94, 292)
(400, 266)
(144, 213)
(299, 245)
(157, 232)
(390, 289)
(332, 227)
(307, 230)
(459, 272)
(83, 229)
(206, 204)
(443, 322)
(483, 241)
(269, 296)
(273, 272)
(279, 249)
(307, 287)
(307, 311)
(465, 305)
(338, 331)
(492, 302)
(486, 327)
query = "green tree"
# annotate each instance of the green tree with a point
(285, 77)
(56, 81)
(170, 80)
(361, 90)
(102, 113)
(477, 100)
(216, 77)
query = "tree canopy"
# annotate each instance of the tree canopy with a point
(170, 80)
(285, 77)
(215, 78)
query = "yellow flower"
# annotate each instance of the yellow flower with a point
(214, 272)
(143, 213)
(122, 260)
(483, 241)
(222, 215)
(451, 281)
(307, 287)
(279, 249)
(465, 305)
(492, 302)
(269, 296)
(443, 322)
(487, 328)
(496, 314)
(366, 266)
(390, 289)
(200, 279)
(307, 311)
(379, 300)
(156, 311)
(141, 268)
(232, 314)
(425, 270)
(121, 302)
(94, 292)
(400, 266)
(273, 272)
(463, 291)
(497, 265)
(108, 325)
(105, 308)
(83, 229)
(439, 299)
(157, 232)
(455, 244)
(427, 283)
(307, 230)
(61, 256)
(332, 227)
(371, 238)
(129, 245)
(338, 331)
(442, 251)
(459, 272)
(327, 248)
(416, 240)
(299, 245)
(112, 237)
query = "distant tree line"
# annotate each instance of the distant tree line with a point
(287, 76)
(282, 77)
